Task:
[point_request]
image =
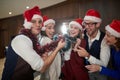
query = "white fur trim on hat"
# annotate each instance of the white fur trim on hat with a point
(37, 16)
(49, 21)
(43, 28)
(27, 24)
(75, 23)
(93, 18)
(112, 31)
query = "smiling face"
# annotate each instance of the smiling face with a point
(91, 27)
(74, 30)
(36, 26)
(110, 39)
(50, 30)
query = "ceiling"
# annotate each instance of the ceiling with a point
(17, 7)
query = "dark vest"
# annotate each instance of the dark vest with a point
(95, 48)
(16, 68)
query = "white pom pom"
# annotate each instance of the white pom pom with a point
(43, 28)
(27, 24)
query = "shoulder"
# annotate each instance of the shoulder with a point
(104, 43)
(20, 37)
(21, 40)
(45, 40)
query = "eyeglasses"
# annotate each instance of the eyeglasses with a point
(89, 24)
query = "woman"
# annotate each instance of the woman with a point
(47, 33)
(113, 39)
(23, 56)
(73, 67)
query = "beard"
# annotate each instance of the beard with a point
(92, 32)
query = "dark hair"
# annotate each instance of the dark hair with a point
(118, 43)
(43, 33)
(79, 34)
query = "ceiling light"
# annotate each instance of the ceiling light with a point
(10, 13)
(27, 7)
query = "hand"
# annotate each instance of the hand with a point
(61, 44)
(93, 67)
(78, 41)
(82, 52)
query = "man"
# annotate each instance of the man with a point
(113, 39)
(23, 56)
(97, 51)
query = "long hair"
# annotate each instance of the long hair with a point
(118, 43)
(43, 33)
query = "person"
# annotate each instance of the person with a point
(96, 51)
(47, 33)
(113, 39)
(74, 67)
(23, 57)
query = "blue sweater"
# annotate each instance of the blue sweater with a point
(116, 64)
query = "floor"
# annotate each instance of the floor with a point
(1, 66)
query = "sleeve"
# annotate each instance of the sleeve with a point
(23, 46)
(112, 73)
(104, 55)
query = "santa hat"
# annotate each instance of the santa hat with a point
(93, 15)
(77, 22)
(31, 14)
(46, 21)
(114, 28)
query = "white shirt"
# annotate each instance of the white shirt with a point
(55, 68)
(23, 46)
(104, 52)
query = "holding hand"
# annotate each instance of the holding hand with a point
(78, 41)
(93, 68)
(82, 52)
(61, 44)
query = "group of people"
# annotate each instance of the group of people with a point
(83, 54)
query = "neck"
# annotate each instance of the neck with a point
(35, 34)
(93, 35)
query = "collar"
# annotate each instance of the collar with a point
(96, 38)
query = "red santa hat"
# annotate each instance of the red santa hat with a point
(114, 28)
(31, 14)
(46, 21)
(93, 15)
(77, 22)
